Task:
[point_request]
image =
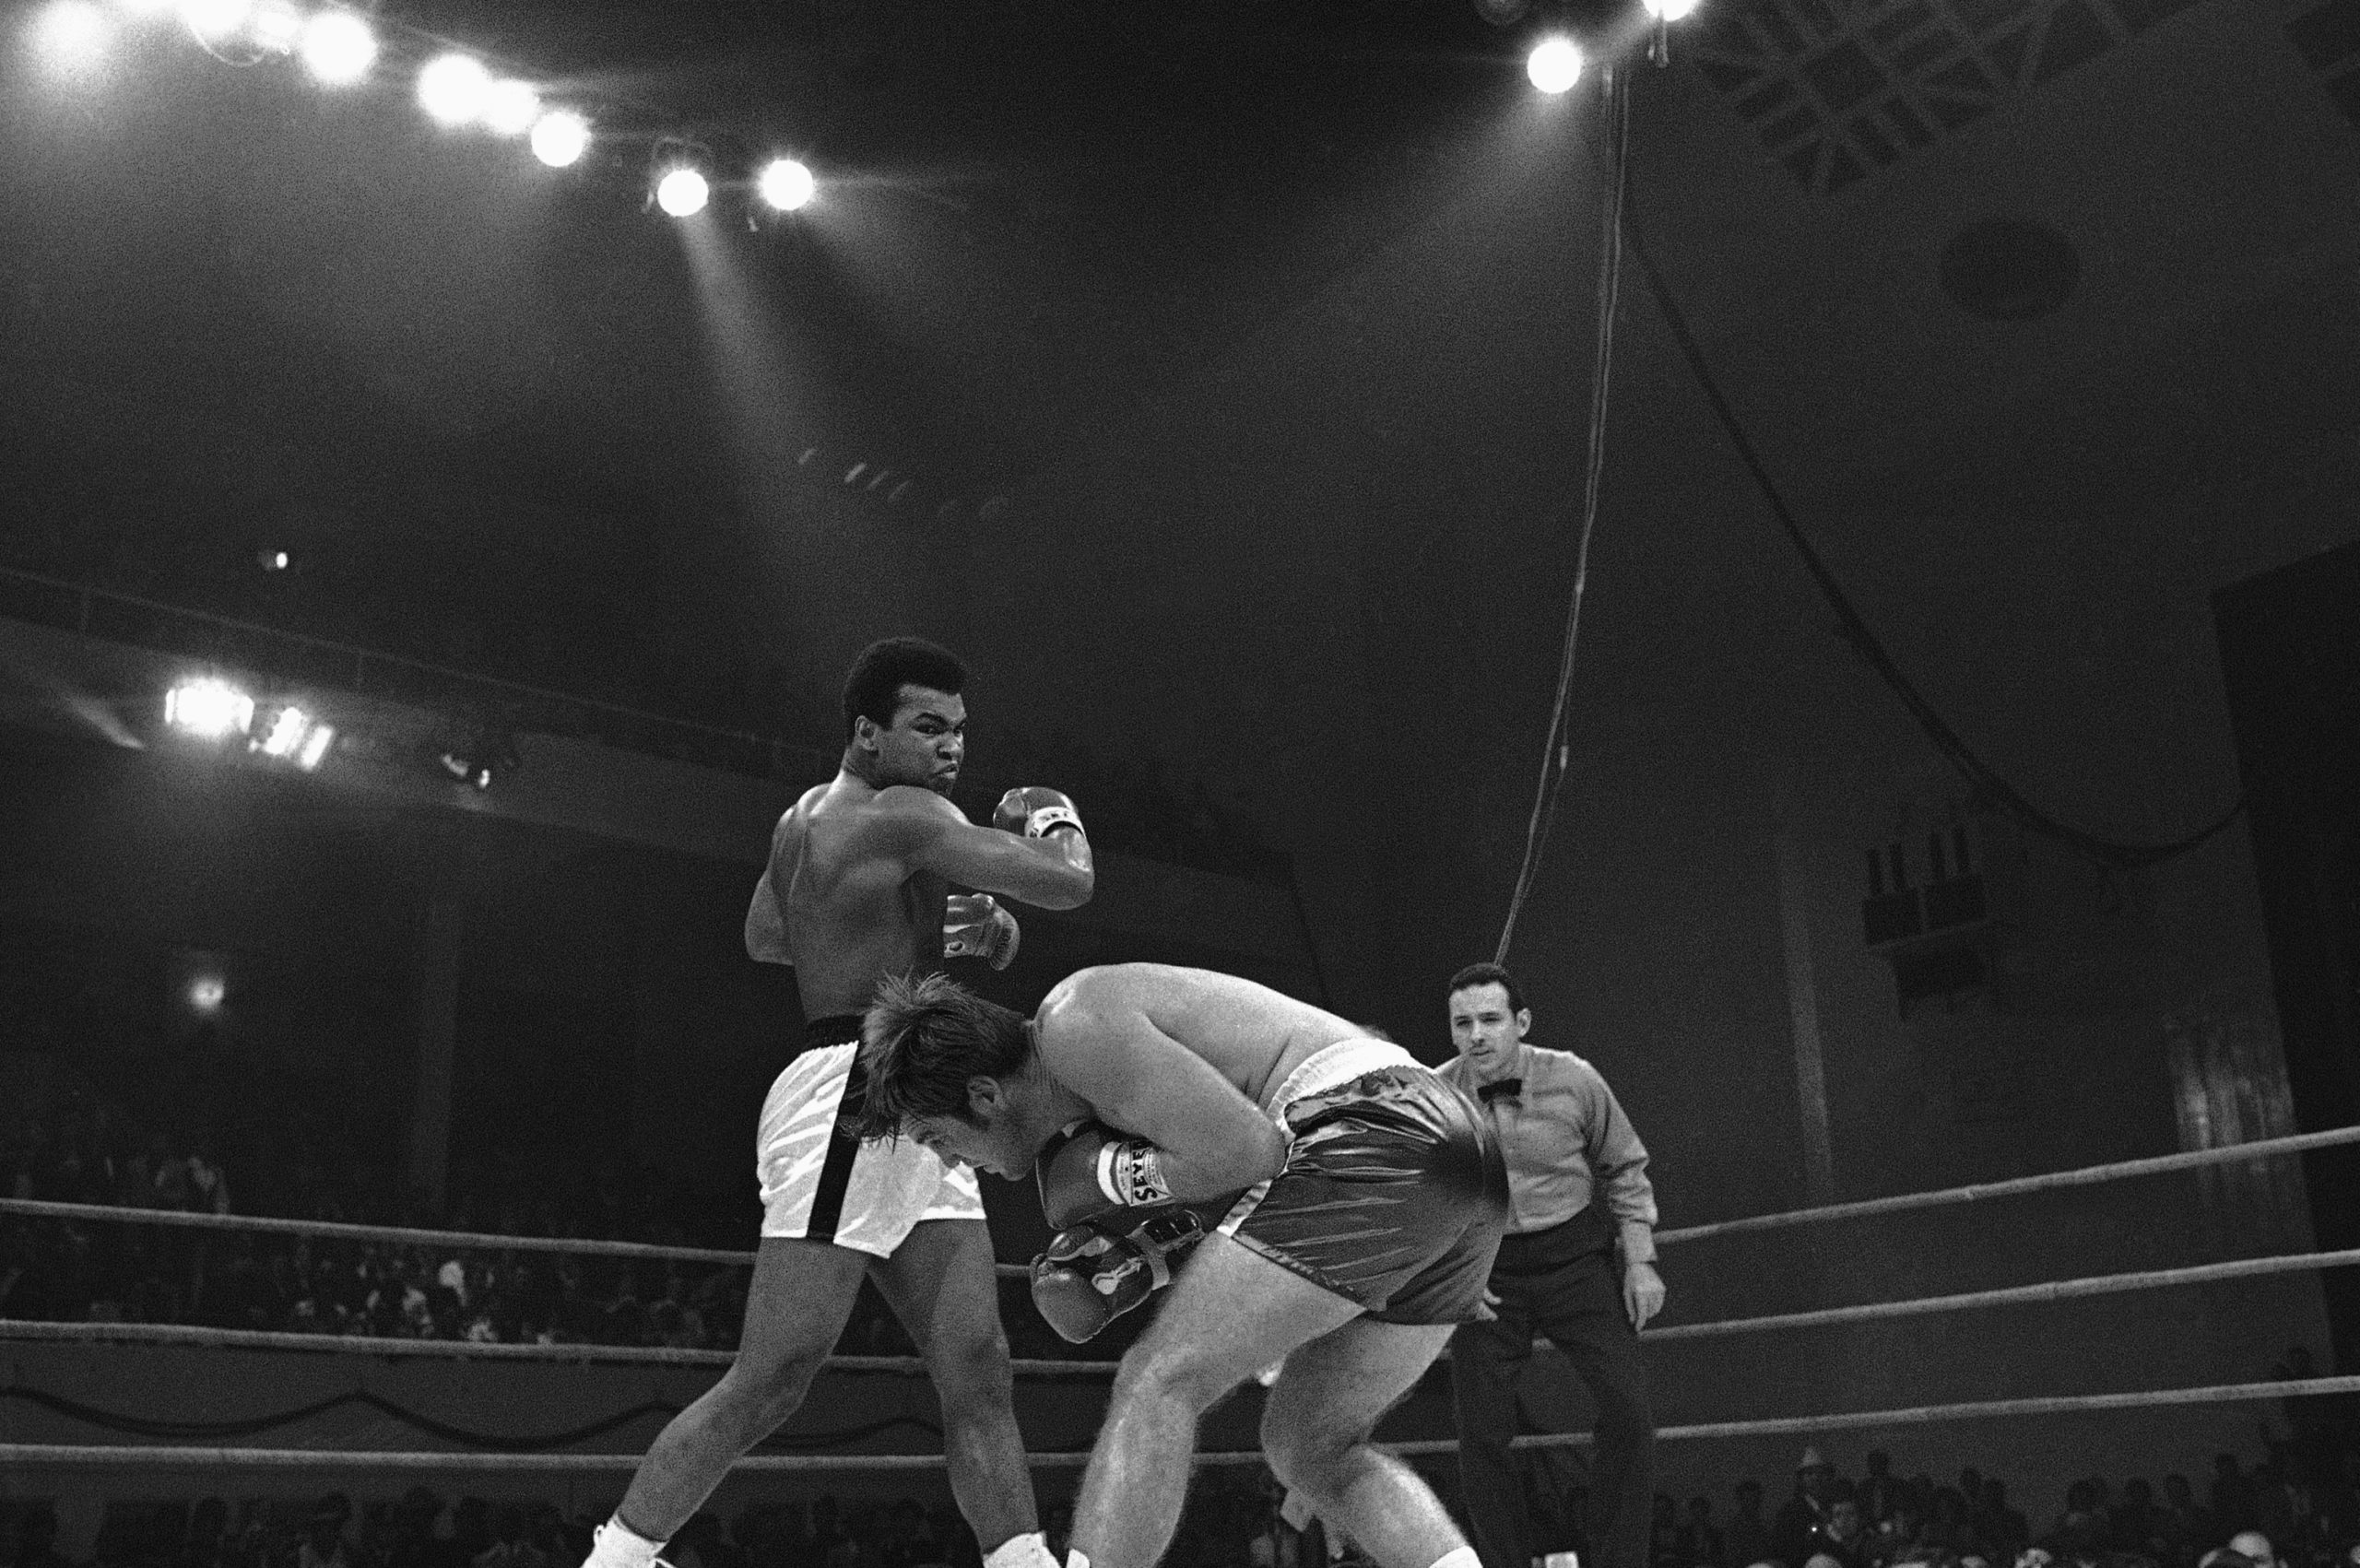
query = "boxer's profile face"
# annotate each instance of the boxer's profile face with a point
(996, 1140)
(925, 743)
(1485, 1028)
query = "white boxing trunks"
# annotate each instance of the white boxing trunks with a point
(821, 1184)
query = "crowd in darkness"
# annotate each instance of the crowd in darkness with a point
(79, 1270)
(2298, 1508)
(1232, 1521)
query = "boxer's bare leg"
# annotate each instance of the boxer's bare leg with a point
(1316, 1431)
(801, 1293)
(1231, 1313)
(940, 1284)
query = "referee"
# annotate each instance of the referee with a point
(1578, 1266)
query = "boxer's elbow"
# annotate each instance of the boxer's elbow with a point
(1261, 1155)
(1069, 889)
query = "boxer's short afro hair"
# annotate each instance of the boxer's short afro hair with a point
(922, 1041)
(873, 687)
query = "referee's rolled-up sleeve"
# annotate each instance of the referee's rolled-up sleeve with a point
(1618, 1163)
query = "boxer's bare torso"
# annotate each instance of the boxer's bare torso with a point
(1250, 1034)
(846, 903)
(861, 868)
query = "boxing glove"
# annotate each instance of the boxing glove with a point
(1036, 811)
(1089, 1168)
(974, 926)
(1094, 1272)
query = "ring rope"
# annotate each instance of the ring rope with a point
(1867, 1311)
(2090, 1175)
(2260, 1148)
(411, 1235)
(362, 1345)
(2054, 1291)
(152, 1456)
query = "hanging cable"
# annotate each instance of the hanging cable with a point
(1988, 786)
(1556, 756)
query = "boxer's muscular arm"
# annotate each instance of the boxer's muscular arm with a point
(1212, 1139)
(934, 835)
(765, 916)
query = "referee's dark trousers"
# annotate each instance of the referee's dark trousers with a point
(1564, 1283)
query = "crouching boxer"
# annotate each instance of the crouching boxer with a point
(1375, 1200)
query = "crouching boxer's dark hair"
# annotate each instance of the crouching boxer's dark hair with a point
(873, 686)
(922, 1041)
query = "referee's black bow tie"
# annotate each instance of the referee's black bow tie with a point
(1511, 1087)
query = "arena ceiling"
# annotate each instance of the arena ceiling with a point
(1963, 268)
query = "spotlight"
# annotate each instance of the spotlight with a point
(284, 732)
(209, 708)
(1554, 66)
(560, 137)
(314, 750)
(787, 184)
(511, 107)
(273, 561)
(682, 191)
(276, 27)
(1669, 10)
(476, 757)
(339, 48)
(451, 88)
(207, 992)
(212, 20)
(71, 33)
(290, 735)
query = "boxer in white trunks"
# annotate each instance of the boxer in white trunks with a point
(858, 889)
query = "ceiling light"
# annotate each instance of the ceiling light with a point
(510, 107)
(787, 184)
(451, 88)
(560, 137)
(339, 48)
(277, 25)
(682, 191)
(1554, 66)
(209, 708)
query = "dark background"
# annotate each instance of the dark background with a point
(1237, 355)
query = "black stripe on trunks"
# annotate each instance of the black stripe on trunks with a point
(835, 1171)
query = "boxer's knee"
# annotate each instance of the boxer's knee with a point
(1189, 1375)
(1306, 1452)
(971, 1369)
(766, 1388)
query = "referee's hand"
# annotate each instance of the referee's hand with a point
(1642, 1293)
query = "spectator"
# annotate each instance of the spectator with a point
(1701, 1542)
(1840, 1536)
(2232, 1498)
(1749, 1536)
(2255, 1548)
(322, 1545)
(1879, 1491)
(1664, 1546)
(509, 1548)
(1804, 1514)
(37, 1540)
